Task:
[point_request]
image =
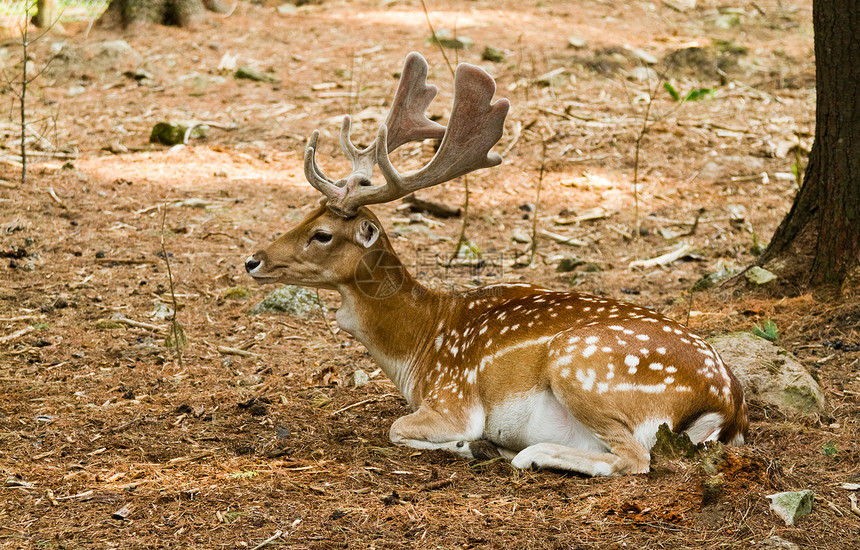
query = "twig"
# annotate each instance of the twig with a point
(518, 131)
(665, 259)
(137, 324)
(534, 244)
(224, 350)
(190, 458)
(854, 509)
(562, 239)
(8, 185)
(55, 197)
(366, 401)
(14, 335)
(175, 327)
(268, 540)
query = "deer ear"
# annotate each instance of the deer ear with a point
(367, 233)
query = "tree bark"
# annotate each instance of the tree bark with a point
(818, 242)
(46, 13)
(184, 13)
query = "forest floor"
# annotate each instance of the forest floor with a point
(107, 440)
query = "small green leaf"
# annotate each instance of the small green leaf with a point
(769, 331)
(829, 449)
(698, 93)
(672, 91)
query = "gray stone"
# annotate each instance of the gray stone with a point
(578, 42)
(792, 505)
(770, 374)
(358, 379)
(294, 300)
(287, 9)
(644, 74)
(759, 276)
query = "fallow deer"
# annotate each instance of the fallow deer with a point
(545, 378)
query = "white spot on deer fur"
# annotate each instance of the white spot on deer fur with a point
(471, 305)
(455, 350)
(586, 380)
(668, 380)
(645, 388)
(591, 340)
(685, 340)
(661, 350)
(714, 390)
(565, 373)
(602, 387)
(606, 349)
(628, 331)
(589, 351)
(473, 376)
(631, 361)
(683, 388)
(709, 362)
(565, 360)
(573, 340)
(483, 330)
(438, 342)
(505, 329)
(656, 366)
(615, 327)
(677, 331)
(586, 309)
(644, 352)
(671, 370)
(515, 327)
(667, 328)
(643, 337)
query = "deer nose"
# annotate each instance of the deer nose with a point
(251, 264)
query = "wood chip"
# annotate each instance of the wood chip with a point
(224, 350)
(190, 458)
(665, 259)
(17, 334)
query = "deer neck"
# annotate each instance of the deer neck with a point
(398, 329)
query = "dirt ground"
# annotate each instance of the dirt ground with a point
(108, 441)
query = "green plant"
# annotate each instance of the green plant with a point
(695, 94)
(768, 330)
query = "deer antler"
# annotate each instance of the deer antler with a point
(475, 126)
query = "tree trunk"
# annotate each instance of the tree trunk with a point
(184, 13)
(46, 13)
(818, 242)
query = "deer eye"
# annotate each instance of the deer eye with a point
(322, 237)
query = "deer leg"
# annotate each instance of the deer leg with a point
(428, 429)
(627, 456)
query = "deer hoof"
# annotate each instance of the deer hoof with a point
(483, 449)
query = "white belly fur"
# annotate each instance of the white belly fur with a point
(537, 417)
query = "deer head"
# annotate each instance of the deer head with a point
(324, 249)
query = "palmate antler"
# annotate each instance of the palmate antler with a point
(474, 127)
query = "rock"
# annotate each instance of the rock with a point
(520, 237)
(175, 133)
(358, 379)
(253, 74)
(792, 505)
(577, 42)
(569, 264)
(287, 9)
(643, 56)
(770, 374)
(111, 55)
(759, 276)
(644, 74)
(294, 300)
(76, 90)
(250, 380)
(493, 54)
(778, 542)
(447, 39)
